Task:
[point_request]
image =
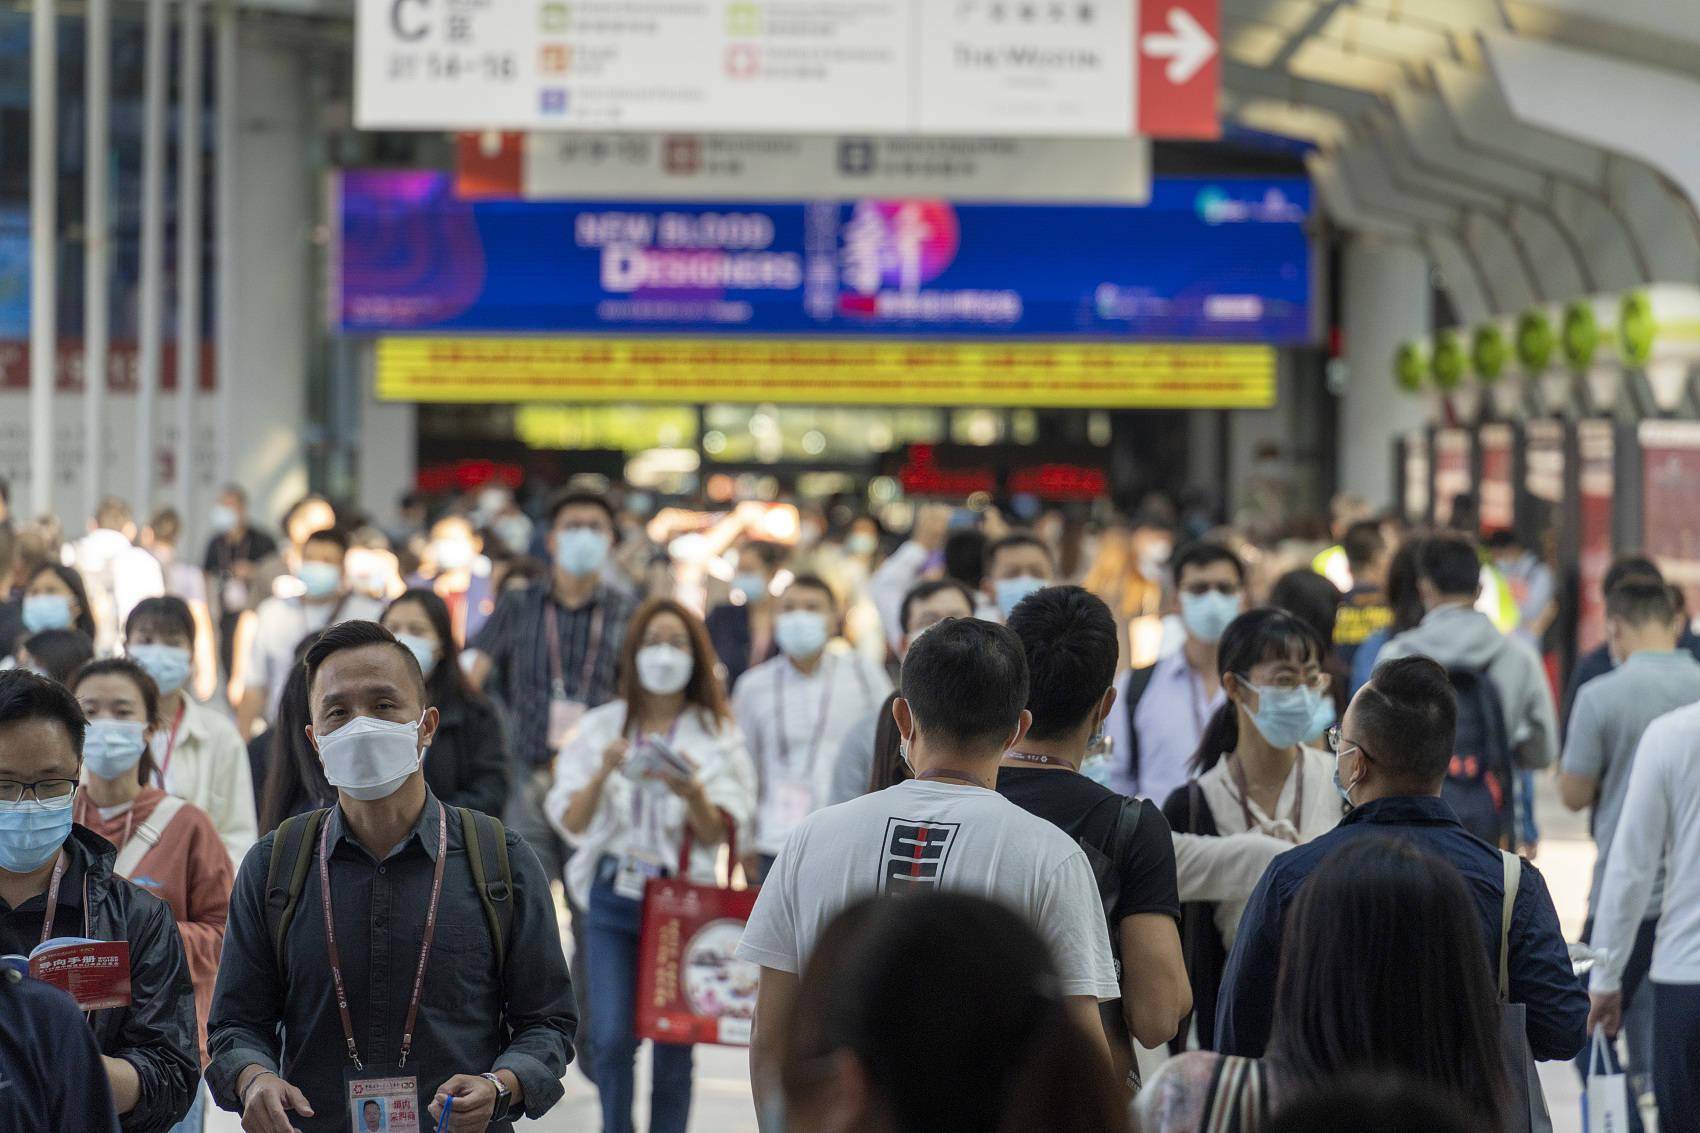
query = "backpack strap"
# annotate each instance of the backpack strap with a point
(292, 853)
(146, 836)
(1513, 877)
(487, 842)
(1138, 681)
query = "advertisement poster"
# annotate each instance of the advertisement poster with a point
(1453, 476)
(1670, 473)
(1499, 477)
(1597, 447)
(1207, 260)
(793, 66)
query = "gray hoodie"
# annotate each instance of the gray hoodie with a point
(1462, 638)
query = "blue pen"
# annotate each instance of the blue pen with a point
(448, 1108)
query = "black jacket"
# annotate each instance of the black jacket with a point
(467, 763)
(156, 1034)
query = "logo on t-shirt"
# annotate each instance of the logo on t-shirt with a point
(915, 854)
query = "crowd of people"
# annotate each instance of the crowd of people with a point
(1139, 784)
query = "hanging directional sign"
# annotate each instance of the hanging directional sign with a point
(1009, 68)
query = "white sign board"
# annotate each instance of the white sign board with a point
(747, 167)
(1002, 67)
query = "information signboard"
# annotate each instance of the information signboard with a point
(1670, 521)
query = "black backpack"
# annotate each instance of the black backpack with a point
(1481, 780)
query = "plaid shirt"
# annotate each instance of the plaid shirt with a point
(516, 639)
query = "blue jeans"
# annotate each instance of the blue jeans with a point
(195, 1120)
(612, 925)
(1527, 832)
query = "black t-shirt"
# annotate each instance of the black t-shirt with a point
(1086, 812)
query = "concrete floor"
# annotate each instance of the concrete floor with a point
(723, 1104)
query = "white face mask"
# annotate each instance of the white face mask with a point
(664, 669)
(368, 758)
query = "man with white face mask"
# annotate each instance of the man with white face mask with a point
(406, 950)
(795, 711)
(552, 652)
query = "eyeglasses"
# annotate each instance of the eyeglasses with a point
(1291, 682)
(1200, 589)
(1340, 745)
(42, 790)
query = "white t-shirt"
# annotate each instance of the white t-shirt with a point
(283, 622)
(924, 835)
(795, 724)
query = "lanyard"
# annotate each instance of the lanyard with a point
(424, 945)
(1245, 793)
(1042, 760)
(640, 797)
(170, 745)
(53, 900)
(593, 653)
(129, 819)
(820, 723)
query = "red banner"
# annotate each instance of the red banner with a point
(123, 367)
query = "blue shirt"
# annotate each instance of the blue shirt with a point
(1542, 977)
(51, 1076)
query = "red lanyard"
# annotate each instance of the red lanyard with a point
(129, 818)
(53, 900)
(424, 945)
(170, 745)
(640, 799)
(820, 724)
(557, 677)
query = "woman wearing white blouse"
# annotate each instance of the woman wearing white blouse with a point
(656, 779)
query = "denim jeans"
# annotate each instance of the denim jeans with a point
(611, 932)
(195, 1120)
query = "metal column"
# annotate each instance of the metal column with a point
(224, 225)
(189, 43)
(152, 304)
(97, 258)
(44, 224)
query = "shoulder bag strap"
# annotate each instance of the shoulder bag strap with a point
(1138, 681)
(1513, 877)
(146, 836)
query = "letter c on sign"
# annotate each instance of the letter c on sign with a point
(418, 31)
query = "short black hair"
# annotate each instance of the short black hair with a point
(1200, 554)
(1502, 540)
(1070, 640)
(334, 535)
(1310, 597)
(358, 635)
(925, 590)
(575, 497)
(1628, 567)
(1012, 540)
(1408, 715)
(965, 557)
(1450, 564)
(813, 582)
(1363, 544)
(236, 492)
(130, 671)
(25, 696)
(169, 611)
(59, 652)
(1641, 602)
(966, 680)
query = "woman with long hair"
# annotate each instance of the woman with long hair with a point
(166, 846)
(55, 598)
(198, 754)
(294, 779)
(467, 764)
(1255, 772)
(648, 785)
(1381, 974)
(897, 1028)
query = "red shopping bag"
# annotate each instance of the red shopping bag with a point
(691, 988)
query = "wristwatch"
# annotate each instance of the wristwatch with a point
(504, 1097)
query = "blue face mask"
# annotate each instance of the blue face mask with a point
(1286, 717)
(423, 649)
(112, 748)
(46, 611)
(800, 633)
(222, 519)
(580, 551)
(752, 586)
(1207, 616)
(168, 665)
(1010, 591)
(320, 580)
(31, 832)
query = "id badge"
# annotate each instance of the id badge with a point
(563, 717)
(379, 1103)
(793, 801)
(634, 874)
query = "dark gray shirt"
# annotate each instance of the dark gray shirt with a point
(470, 1021)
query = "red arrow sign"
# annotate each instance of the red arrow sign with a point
(1180, 68)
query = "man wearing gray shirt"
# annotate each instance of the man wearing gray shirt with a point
(1643, 623)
